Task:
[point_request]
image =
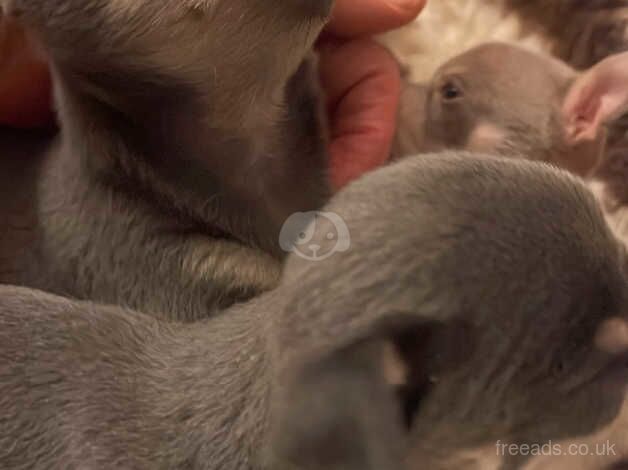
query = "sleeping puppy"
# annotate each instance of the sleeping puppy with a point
(508, 101)
(190, 131)
(494, 311)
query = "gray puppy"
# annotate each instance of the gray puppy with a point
(190, 131)
(508, 101)
(492, 311)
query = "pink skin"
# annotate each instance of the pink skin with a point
(363, 84)
(599, 96)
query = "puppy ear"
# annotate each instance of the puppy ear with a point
(353, 410)
(597, 97)
(339, 414)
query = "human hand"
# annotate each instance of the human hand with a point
(362, 83)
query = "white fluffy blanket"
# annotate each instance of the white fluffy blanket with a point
(449, 27)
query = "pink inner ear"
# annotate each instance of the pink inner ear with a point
(596, 98)
(586, 114)
(582, 111)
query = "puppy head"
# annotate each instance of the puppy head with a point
(200, 103)
(505, 100)
(455, 319)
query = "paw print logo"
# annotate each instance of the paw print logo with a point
(315, 236)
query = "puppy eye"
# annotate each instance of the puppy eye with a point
(450, 91)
